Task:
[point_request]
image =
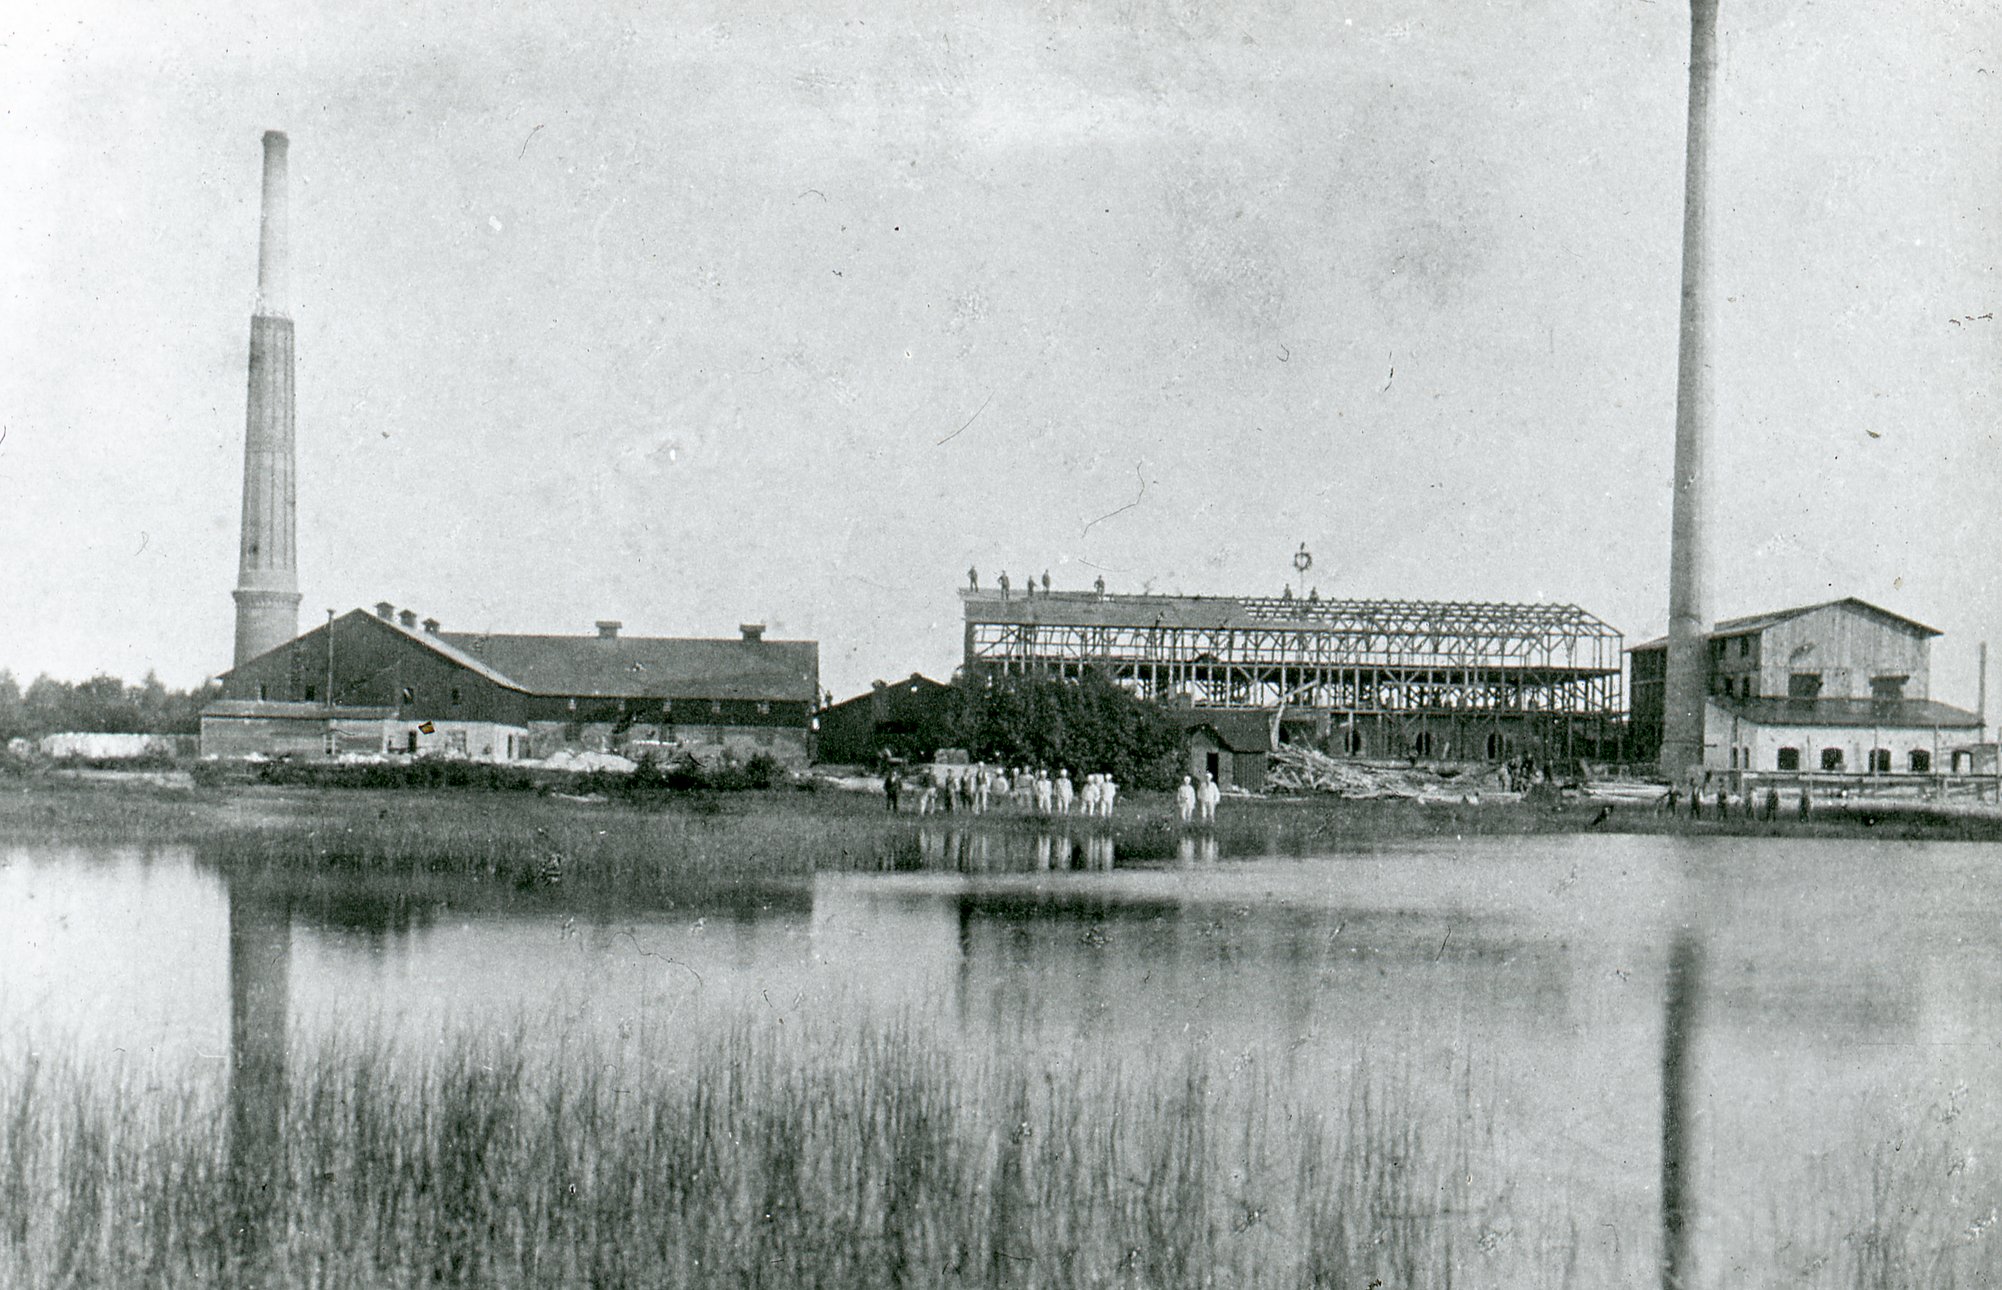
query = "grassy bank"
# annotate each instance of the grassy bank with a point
(661, 846)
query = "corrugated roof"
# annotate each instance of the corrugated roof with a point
(651, 667)
(1902, 714)
(1759, 622)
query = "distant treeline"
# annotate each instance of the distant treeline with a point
(103, 704)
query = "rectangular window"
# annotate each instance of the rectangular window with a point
(1804, 685)
(1831, 759)
(455, 696)
(1880, 761)
(263, 692)
(1887, 689)
(1789, 759)
(1744, 646)
(310, 696)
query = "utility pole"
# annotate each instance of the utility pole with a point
(330, 683)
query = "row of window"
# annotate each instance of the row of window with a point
(1918, 760)
(1807, 685)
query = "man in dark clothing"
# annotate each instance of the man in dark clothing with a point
(890, 790)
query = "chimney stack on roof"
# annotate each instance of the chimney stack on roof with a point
(384, 610)
(752, 631)
(431, 626)
(408, 617)
(608, 629)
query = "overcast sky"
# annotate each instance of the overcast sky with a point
(699, 314)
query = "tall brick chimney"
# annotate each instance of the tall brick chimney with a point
(1688, 614)
(267, 580)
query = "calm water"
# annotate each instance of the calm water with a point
(1848, 999)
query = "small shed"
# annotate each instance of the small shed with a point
(1233, 746)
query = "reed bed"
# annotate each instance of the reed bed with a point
(872, 1158)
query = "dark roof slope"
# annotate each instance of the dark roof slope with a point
(1900, 714)
(649, 667)
(1245, 732)
(915, 683)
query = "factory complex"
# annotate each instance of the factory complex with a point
(1834, 688)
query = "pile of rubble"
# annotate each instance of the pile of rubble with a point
(1298, 769)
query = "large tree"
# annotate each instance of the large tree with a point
(1086, 725)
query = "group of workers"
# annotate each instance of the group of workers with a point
(979, 789)
(1673, 802)
(1190, 797)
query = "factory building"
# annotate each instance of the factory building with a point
(907, 719)
(1366, 678)
(1838, 687)
(382, 682)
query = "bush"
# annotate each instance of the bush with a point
(1090, 724)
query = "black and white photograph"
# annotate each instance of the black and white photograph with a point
(1000, 643)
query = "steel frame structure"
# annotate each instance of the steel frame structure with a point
(1385, 661)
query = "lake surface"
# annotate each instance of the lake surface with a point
(1847, 996)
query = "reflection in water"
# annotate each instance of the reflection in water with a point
(1678, 1106)
(1191, 849)
(260, 954)
(1841, 1011)
(981, 851)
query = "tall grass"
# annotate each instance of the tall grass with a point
(870, 1159)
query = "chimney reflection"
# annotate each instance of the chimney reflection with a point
(260, 953)
(1678, 1109)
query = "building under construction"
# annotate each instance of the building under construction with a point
(1371, 678)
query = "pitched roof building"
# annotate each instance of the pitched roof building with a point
(1840, 686)
(510, 695)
